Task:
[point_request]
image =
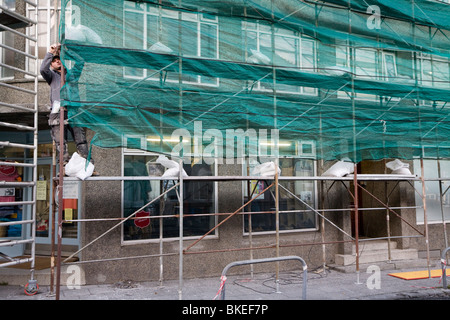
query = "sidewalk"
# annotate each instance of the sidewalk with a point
(332, 285)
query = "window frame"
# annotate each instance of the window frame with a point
(300, 156)
(200, 20)
(299, 38)
(430, 166)
(6, 54)
(136, 152)
(46, 32)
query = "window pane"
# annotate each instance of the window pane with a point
(152, 30)
(441, 74)
(189, 35)
(134, 30)
(208, 40)
(133, 38)
(286, 51)
(433, 194)
(365, 63)
(198, 198)
(308, 57)
(304, 219)
(6, 55)
(426, 73)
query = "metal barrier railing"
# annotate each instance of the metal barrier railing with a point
(255, 261)
(444, 267)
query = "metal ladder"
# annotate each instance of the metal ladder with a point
(14, 22)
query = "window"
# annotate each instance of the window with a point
(48, 20)
(7, 39)
(6, 55)
(149, 27)
(298, 216)
(433, 193)
(434, 71)
(290, 49)
(362, 63)
(389, 66)
(198, 198)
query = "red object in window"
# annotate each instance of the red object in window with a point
(9, 174)
(70, 203)
(142, 222)
(7, 170)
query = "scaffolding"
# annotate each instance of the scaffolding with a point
(17, 24)
(355, 179)
(163, 63)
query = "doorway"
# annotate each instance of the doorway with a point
(47, 210)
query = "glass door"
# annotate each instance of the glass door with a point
(45, 206)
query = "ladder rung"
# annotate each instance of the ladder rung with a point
(31, 3)
(16, 126)
(17, 164)
(17, 145)
(17, 15)
(17, 88)
(17, 184)
(13, 223)
(8, 242)
(18, 261)
(16, 203)
(17, 107)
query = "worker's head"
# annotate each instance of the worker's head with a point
(56, 63)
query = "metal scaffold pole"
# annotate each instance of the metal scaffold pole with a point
(29, 183)
(425, 219)
(348, 142)
(181, 217)
(60, 193)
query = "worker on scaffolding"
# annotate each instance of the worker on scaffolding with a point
(51, 72)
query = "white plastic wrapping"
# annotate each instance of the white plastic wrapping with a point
(173, 168)
(398, 167)
(76, 167)
(340, 169)
(266, 169)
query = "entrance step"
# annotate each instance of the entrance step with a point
(20, 277)
(375, 251)
(46, 249)
(373, 245)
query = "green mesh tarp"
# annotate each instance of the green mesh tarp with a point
(232, 79)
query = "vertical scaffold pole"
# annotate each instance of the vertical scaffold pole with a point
(60, 193)
(180, 285)
(54, 184)
(180, 106)
(425, 220)
(355, 182)
(442, 204)
(277, 224)
(277, 161)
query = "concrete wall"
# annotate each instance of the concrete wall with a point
(102, 199)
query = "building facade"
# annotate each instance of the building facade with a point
(313, 218)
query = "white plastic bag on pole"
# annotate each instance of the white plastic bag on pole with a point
(76, 167)
(398, 167)
(173, 168)
(266, 169)
(340, 169)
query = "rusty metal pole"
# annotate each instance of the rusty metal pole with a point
(60, 190)
(425, 220)
(52, 226)
(355, 182)
(277, 226)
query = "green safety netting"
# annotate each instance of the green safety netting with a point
(234, 78)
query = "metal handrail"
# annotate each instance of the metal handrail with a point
(244, 262)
